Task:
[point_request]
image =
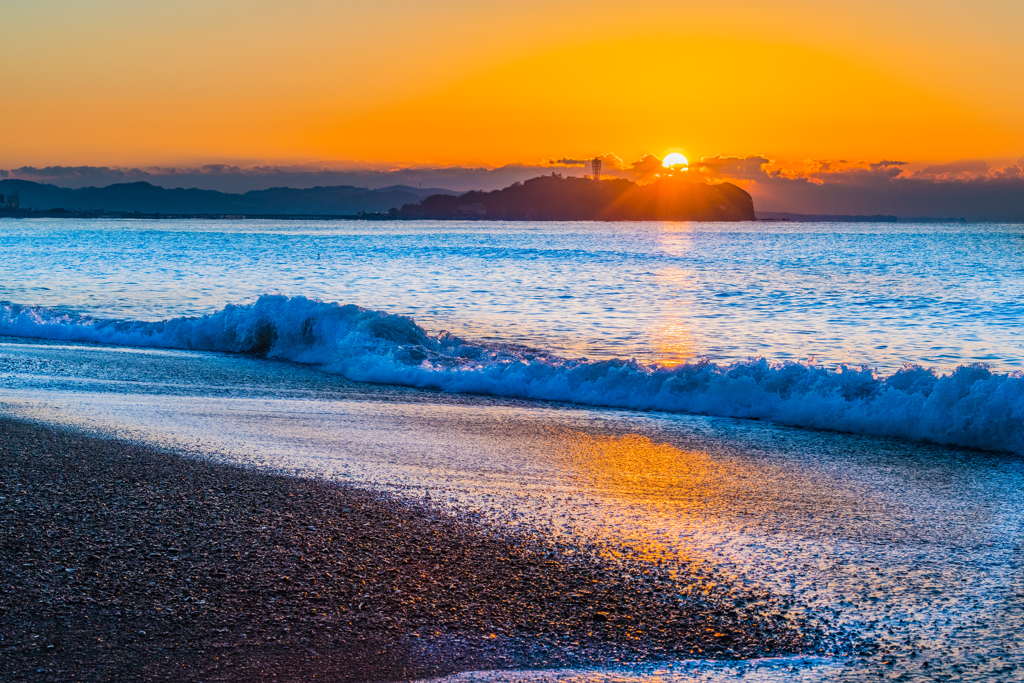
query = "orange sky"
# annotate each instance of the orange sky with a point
(456, 82)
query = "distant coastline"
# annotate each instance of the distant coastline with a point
(138, 215)
(144, 200)
(783, 216)
(545, 198)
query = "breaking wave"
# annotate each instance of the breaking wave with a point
(971, 407)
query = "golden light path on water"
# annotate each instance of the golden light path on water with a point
(635, 470)
(670, 336)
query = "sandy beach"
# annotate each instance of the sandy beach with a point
(120, 562)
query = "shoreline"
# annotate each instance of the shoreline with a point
(123, 562)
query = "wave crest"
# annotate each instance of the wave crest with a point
(971, 407)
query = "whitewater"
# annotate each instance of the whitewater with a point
(972, 406)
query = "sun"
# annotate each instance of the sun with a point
(674, 159)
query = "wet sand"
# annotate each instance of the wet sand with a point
(122, 562)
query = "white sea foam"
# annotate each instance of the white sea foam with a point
(971, 407)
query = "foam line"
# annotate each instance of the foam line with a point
(971, 407)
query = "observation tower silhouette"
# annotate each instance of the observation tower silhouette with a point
(595, 166)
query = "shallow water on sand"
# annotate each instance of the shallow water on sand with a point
(915, 548)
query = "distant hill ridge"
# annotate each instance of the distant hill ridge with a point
(341, 200)
(544, 198)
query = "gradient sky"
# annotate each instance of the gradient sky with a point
(125, 82)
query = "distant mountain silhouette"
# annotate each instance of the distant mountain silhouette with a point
(545, 198)
(556, 198)
(146, 198)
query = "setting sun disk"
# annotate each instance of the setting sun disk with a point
(674, 159)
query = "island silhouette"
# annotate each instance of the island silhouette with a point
(554, 198)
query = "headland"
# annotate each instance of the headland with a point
(554, 198)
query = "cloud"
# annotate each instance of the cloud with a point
(609, 162)
(1011, 171)
(886, 164)
(855, 173)
(962, 167)
(645, 167)
(217, 169)
(859, 188)
(735, 168)
(54, 173)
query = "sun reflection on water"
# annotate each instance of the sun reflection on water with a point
(671, 336)
(635, 466)
(681, 493)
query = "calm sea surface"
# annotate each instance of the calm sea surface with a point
(885, 501)
(881, 294)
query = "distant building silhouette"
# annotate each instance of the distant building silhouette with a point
(1, 199)
(13, 201)
(595, 166)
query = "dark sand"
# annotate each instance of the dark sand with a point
(120, 562)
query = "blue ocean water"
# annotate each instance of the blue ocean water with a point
(881, 294)
(898, 330)
(884, 295)
(593, 382)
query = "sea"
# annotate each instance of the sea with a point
(833, 412)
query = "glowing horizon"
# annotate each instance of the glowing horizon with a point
(120, 83)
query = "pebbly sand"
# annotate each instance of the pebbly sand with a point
(121, 562)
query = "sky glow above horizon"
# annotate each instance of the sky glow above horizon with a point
(112, 82)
